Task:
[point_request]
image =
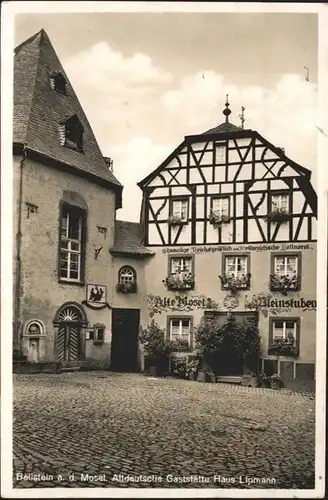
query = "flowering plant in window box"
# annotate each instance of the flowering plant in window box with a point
(179, 281)
(180, 345)
(176, 220)
(216, 218)
(126, 287)
(234, 283)
(284, 283)
(192, 366)
(284, 346)
(278, 214)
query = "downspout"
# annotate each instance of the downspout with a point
(18, 256)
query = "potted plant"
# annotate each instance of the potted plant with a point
(178, 365)
(156, 347)
(191, 368)
(233, 283)
(278, 214)
(179, 281)
(275, 381)
(216, 218)
(264, 380)
(126, 287)
(176, 220)
(284, 283)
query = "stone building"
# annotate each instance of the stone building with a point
(228, 225)
(65, 202)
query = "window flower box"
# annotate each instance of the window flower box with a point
(284, 283)
(179, 281)
(216, 219)
(278, 215)
(234, 283)
(176, 220)
(126, 287)
(180, 345)
(284, 346)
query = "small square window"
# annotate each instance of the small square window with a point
(181, 265)
(280, 202)
(98, 334)
(221, 205)
(220, 153)
(180, 330)
(180, 209)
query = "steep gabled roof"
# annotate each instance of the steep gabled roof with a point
(224, 131)
(223, 128)
(38, 111)
(128, 240)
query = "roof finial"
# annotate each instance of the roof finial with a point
(241, 116)
(227, 111)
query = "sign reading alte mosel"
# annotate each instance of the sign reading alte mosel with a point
(239, 248)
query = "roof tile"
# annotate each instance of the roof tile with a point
(38, 110)
(128, 239)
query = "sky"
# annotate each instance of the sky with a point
(145, 80)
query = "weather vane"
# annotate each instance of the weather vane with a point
(241, 116)
(227, 111)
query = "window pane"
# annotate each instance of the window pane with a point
(241, 265)
(230, 264)
(74, 227)
(185, 323)
(100, 334)
(175, 322)
(75, 246)
(64, 225)
(75, 257)
(290, 325)
(291, 265)
(74, 274)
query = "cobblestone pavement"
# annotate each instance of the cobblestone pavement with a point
(99, 425)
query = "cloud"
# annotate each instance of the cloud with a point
(284, 114)
(133, 161)
(114, 88)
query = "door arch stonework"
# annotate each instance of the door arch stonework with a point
(70, 320)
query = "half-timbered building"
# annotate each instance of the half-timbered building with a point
(232, 222)
(228, 226)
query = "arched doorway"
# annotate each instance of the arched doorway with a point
(70, 319)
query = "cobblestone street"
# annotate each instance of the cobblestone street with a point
(99, 425)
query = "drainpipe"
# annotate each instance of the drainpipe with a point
(18, 255)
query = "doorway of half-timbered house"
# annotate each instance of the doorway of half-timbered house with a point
(230, 361)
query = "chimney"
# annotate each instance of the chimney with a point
(109, 163)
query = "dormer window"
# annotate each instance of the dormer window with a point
(58, 83)
(71, 133)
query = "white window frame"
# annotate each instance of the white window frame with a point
(182, 264)
(235, 273)
(67, 248)
(127, 275)
(179, 212)
(277, 201)
(284, 329)
(285, 257)
(220, 209)
(220, 154)
(180, 335)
